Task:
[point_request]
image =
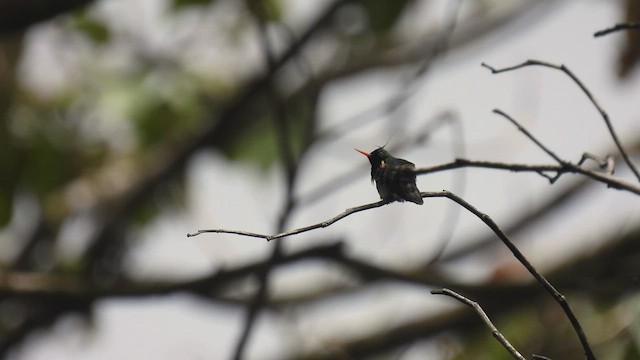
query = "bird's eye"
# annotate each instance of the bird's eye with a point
(383, 164)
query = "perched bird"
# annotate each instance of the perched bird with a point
(394, 177)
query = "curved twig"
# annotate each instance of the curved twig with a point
(526, 132)
(323, 224)
(560, 299)
(485, 318)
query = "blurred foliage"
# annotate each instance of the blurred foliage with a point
(163, 107)
(271, 10)
(257, 141)
(46, 145)
(181, 4)
(383, 14)
(541, 328)
(9, 163)
(92, 27)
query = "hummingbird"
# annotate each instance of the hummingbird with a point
(394, 177)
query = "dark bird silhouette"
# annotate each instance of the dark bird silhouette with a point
(395, 178)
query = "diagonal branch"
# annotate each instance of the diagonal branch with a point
(587, 92)
(526, 132)
(560, 299)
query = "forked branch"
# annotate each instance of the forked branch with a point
(604, 177)
(570, 167)
(589, 95)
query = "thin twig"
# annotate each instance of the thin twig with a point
(458, 185)
(494, 331)
(617, 27)
(323, 224)
(587, 92)
(526, 132)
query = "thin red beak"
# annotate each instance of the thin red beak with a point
(363, 153)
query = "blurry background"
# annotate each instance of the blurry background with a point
(126, 125)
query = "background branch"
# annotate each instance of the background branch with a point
(16, 15)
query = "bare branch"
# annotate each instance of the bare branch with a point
(605, 178)
(587, 92)
(484, 217)
(323, 224)
(568, 167)
(478, 309)
(560, 299)
(617, 27)
(514, 167)
(526, 132)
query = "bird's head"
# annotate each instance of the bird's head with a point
(378, 158)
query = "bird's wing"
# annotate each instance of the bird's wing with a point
(403, 162)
